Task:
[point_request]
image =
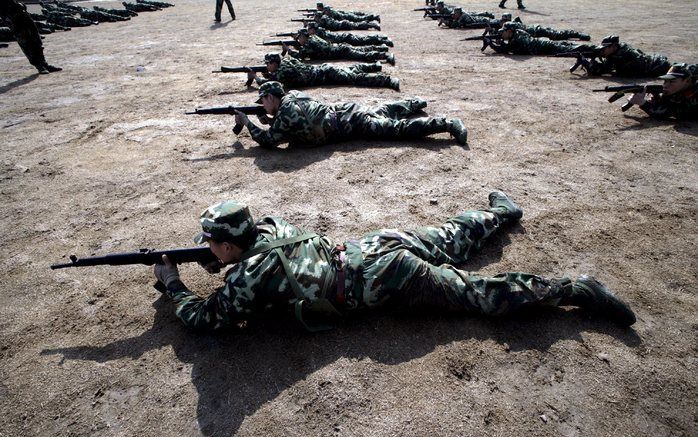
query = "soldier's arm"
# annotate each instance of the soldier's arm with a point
(271, 137)
(203, 314)
(657, 108)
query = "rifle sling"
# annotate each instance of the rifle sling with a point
(320, 305)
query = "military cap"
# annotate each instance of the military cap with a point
(677, 71)
(272, 87)
(610, 40)
(225, 221)
(506, 17)
(302, 32)
(318, 14)
(319, 5)
(272, 57)
(458, 10)
(439, 3)
(509, 26)
(311, 25)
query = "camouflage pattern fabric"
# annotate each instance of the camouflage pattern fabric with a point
(352, 39)
(66, 20)
(522, 43)
(332, 24)
(538, 31)
(25, 31)
(467, 20)
(354, 16)
(681, 106)
(219, 8)
(386, 267)
(119, 12)
(630, 62)
(317, 48)
(294, 73)
(303, 122)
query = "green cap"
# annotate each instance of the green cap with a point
(319, 5)
(272, 57)
(312, 25)
(225, 221)
(610, 40)
(272, 87)
(458, 11)
(302, 32)
(509, 26)
(506, 17)
(677, 71)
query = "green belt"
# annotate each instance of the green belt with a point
(318, 306)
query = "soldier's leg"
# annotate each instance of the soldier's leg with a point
(401, 108)
(374, 67)
(230, 9)
(359, 55)
(219, 8)
(376, 81)
(29, 41)
(373, 126)
(329, 75)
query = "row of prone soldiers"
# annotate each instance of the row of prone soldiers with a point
(24, 27)
(676, 98)
(298, 120)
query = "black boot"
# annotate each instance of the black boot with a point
(588, 293)
(502, 205)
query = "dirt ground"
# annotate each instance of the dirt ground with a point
(100, 158)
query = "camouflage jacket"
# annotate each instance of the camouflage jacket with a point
(524, 44)
(260, 283)
(345, 15)
(291, 72)
(300, 121)
(314, 48)
(343, 37)
(630, 62)
(682, 106)
(466, 20)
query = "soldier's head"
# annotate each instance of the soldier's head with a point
(272, 61)
(508, 30)
(302, 36)
(317, 16)
(319, 6)
(440, 6)
(610, 45)
(312, 28)
(270, 94)
(677, 79)
(229, 230)
(505, 18)
(457, 12)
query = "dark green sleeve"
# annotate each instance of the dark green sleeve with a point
(203, 314)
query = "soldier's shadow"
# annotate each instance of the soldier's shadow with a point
(17, 83)
(235, 374)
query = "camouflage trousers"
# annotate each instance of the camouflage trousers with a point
(219, 9)
(357, 40)
(553, 34)
(348, 25)
(415, 269)
(360, 74)
(353, 16)
(28, 38)
(345, 51)
(387, 122)
(545, 47)
(67, 20)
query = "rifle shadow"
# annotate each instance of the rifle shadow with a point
(235, 375)
(17, 83)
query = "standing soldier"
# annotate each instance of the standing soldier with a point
(518, 2)
(219, 8)
(27, 34)
(276, 265)
(304, 122)
(316, 48)
(293, 73)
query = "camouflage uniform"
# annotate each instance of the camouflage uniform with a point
(538, 31)
(385, 268)
(55, 17)
(303, 122)
(467, 20)
(521, 43)
(681, 106)
(317, 48)
(354, 16)
(352, 39)
(294, 73)
(630, 62)
(332, 24)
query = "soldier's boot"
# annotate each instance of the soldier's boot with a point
(584, 37)
(501, 5)
(416, 104)
(374, 26)
(394, 84)
(520, 4)
(389, 43)
(391, 59)
(458, 130)
(591, 295)
(504, 207)
(52, 69)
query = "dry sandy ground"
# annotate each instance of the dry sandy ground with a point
(101, 158)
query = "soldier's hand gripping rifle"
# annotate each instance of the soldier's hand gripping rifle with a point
(148, 257)
(584, 58)
(230, 109)
(620, 91)
(487, 37)
(243, 69)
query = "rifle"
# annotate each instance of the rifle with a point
(243, 69)
(230, 109)
(439, 16)
(486, 39)
(143, 256)
(582, 58)
(620, 91)
(280, 42)
(302, 20)
(307, 10)
(283, 34)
